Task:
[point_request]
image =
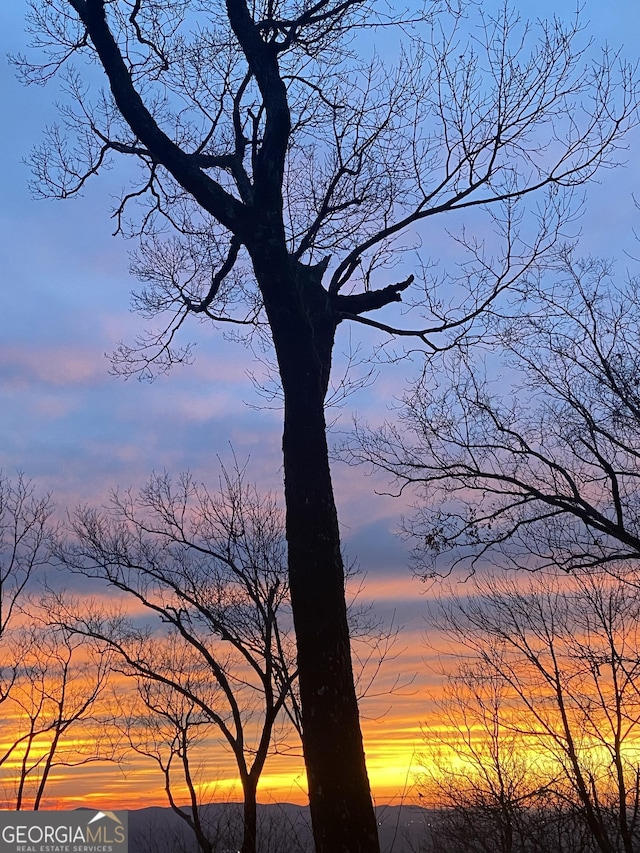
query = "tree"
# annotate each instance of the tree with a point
(170, 727)
(221, 661)
(488, 785)
(288, 170)
(24, 548)
(477, 770)
(545, 473)
(211, 571)
(25, 538)
(563, 653)
(45, 690)
(53, 712)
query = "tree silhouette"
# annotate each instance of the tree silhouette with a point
(209, 569)
(532, 460)
(55, 712)
(216, 660)
(290, 167)
(477, 770)
(562, 654)
(49, 690)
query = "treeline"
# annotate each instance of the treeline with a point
(531, 744)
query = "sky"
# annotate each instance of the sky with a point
(79, 432)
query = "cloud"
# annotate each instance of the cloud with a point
(62, 366)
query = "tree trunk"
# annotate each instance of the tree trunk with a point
(303, 329)
(249, 817)
(339, 795)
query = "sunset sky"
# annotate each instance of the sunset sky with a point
(80, 432)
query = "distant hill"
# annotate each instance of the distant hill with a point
(284, 828)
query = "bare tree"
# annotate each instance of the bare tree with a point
(485, 782)
(211, 568)
(24, 543)
(173, 730)
(564, 653)
(45, 689)
(291, 173)
(477, 770)
(544, 471)
(53, 713)
(170, 727)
